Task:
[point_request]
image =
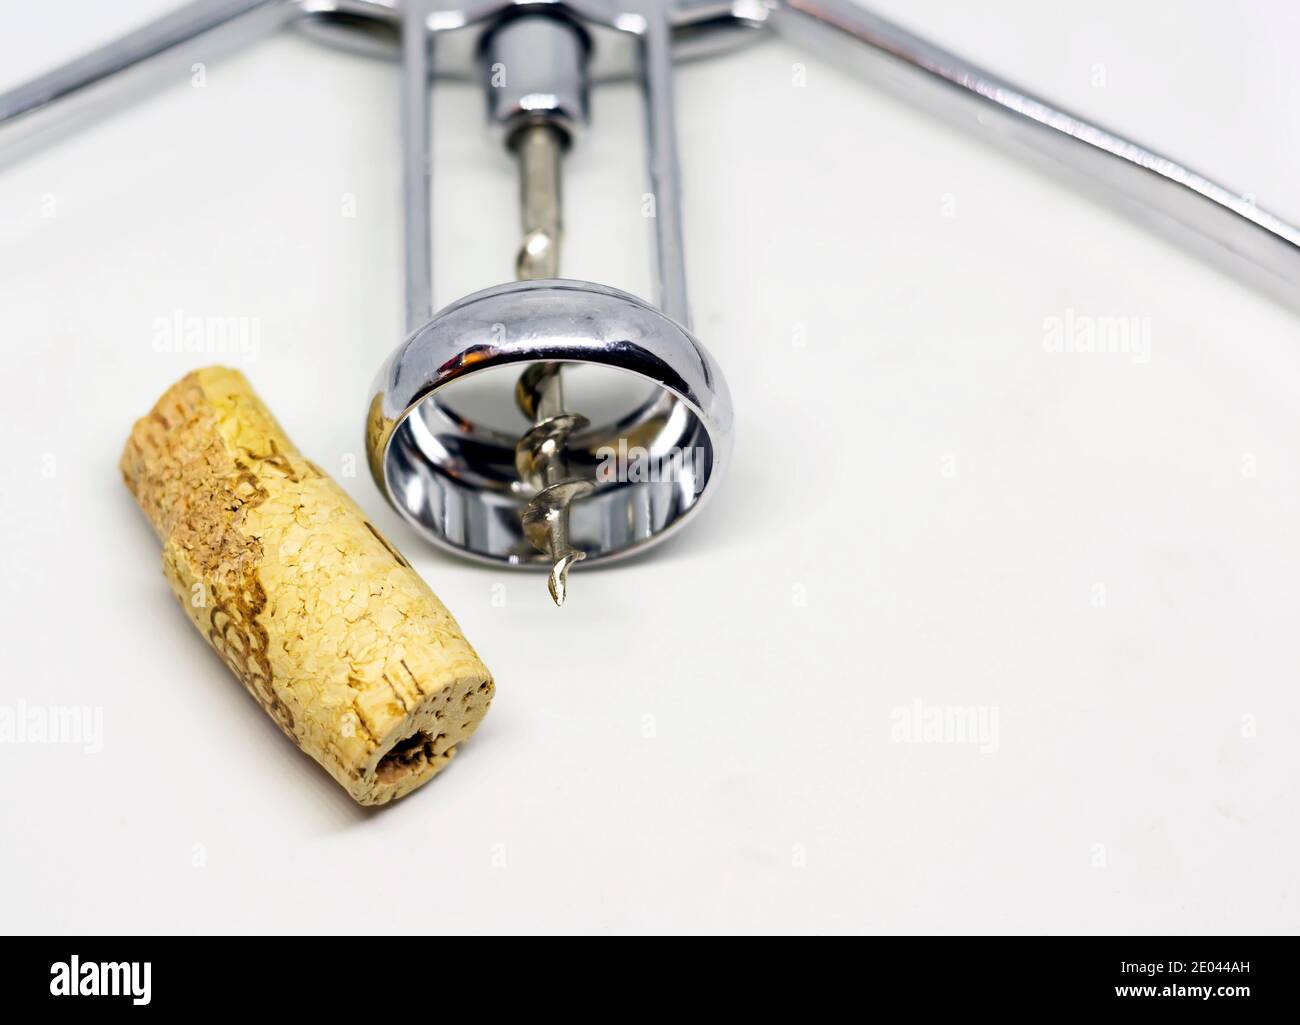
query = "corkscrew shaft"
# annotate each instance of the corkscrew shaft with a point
(539, 148)
(538, 140)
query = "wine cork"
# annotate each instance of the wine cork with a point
(328, 627)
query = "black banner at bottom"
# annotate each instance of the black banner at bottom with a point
(384, 975)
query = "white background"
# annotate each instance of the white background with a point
(925, 506)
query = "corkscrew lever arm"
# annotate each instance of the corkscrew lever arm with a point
(100, 80)
(1221, 225)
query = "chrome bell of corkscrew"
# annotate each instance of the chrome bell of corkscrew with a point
(552, 495)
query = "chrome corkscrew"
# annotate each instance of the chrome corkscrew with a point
(540, 497)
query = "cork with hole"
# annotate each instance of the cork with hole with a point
(328, 627)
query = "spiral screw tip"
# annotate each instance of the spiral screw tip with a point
(558, 583)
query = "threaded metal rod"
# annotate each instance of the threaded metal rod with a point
(540, 456)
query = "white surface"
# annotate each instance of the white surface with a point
(710, 754)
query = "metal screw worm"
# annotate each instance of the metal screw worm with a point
(540, 453)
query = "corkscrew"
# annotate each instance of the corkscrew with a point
(534, 498)
(543, 496)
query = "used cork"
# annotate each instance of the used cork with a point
(323, 621)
